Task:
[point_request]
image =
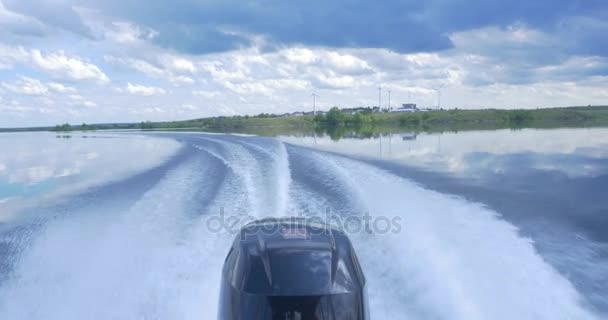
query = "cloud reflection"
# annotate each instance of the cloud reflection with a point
(571, 151)
(36, 166)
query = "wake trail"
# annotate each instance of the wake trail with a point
(452, 259)
(142, 264)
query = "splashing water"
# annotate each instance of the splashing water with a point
(157, 259)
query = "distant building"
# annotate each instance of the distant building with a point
(349, 110)
(363, 110)
(406, 107)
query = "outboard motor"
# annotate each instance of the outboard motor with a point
(292, 269)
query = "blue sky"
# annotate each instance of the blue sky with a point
(105, 61)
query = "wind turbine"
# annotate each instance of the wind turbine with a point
(438, 89)
(314, 107)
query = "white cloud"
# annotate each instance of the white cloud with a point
(155, 71)
(249, 88)
(74, 68)
(128, 33)
(333, 82)
(300, 55)
(136, 64)
(56, 65)
(34, 87)
(181, 79)
(58, 87)
(346, 63)
(480, 71)
(144, 91)
(181, 65)
(79, 101)
(9, 56)
(27, 86)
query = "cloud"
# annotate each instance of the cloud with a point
(10, 56)
(34, 87)
(56, 65)
(519, 54)
(218, 26)
(250, 57)
(144, 91)
(168, 69)
(61, 65)
(52, 13)
(180, 79)
(27, 86)
(404, 26)
(182, 65)
(79, 101)
(123, 32)
(340, 62)
(136, 64)
(14, 25)
(58, 87)
(205, 94)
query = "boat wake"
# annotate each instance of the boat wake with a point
(160, 257)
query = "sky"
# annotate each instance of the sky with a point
(137, 60)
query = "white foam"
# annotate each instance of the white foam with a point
(453, 259)
(148, 263)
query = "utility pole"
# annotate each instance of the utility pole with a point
(389, 101)
(314, 107)
(380, 98)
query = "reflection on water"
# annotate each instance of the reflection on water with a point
(573, 151)
(551, 184)
(37, 166)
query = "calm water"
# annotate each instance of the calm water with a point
(36, 168)
(496, 224)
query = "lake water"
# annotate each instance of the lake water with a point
(36, 168)
(493, 224)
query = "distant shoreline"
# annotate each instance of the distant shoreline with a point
(336, 121)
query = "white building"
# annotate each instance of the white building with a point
(406, 107)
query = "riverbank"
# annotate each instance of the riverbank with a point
(337, 123)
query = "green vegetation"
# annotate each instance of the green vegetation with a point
(471, 119)
(363, 121)
(66, 127)
(63, 128)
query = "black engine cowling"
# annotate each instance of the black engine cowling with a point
(290, 269)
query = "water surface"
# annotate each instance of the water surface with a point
(551, 184)
(496, 224)
(38, 167)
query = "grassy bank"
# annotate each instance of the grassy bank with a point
(432, 121)
(336, 123)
